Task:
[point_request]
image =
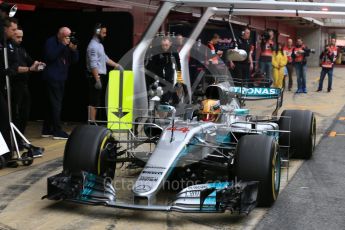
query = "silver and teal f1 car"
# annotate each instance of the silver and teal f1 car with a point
(233, 163)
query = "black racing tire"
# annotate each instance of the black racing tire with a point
(258, 159)
(83, 148)
(302, 138)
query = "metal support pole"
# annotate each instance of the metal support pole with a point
(270, 5)
(140, 94)
(8, 88)
(184, 53)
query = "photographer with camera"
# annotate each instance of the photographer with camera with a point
(299, 54)
(23, 64)
(265, 60)
(327, 64)
(59, 54)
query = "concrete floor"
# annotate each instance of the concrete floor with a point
(315, 198)
(21, 206)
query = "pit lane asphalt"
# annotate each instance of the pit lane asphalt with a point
(315, 197)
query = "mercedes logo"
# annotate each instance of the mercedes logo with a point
(142, 188)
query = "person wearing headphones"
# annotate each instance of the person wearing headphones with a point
(96, 64)
(59, 54)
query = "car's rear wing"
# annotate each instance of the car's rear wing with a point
(256, 93)
(259, 93)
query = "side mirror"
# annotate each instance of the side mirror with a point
(236, 55)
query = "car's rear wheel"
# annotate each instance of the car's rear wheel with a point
(302, 137)
(258, 159)
(89, 148)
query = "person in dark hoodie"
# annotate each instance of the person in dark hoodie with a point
(59, 54)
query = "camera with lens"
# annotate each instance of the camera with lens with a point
(265, 36)
(73, 38)
(41, 66)
(307, 50)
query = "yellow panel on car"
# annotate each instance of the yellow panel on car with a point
(120, 100)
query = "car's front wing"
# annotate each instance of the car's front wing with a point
(87, 188)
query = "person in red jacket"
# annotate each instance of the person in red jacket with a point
(327, 63)
(334, 49)
(214, 55)
(299, 54)
(267, 47)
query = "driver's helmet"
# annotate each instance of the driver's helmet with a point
(210, 110)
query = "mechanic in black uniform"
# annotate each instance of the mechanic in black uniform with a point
(242, 68)
(23, 64)
(9, 27)
(164, 63)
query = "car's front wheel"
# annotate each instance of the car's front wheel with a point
(90, 149)
(258, 159)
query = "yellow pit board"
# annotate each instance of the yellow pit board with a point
(120, 100)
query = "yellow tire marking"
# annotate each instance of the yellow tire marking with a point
(100, 151)
(274, 176)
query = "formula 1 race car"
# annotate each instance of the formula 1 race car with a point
(221, 158)
(212, 158)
